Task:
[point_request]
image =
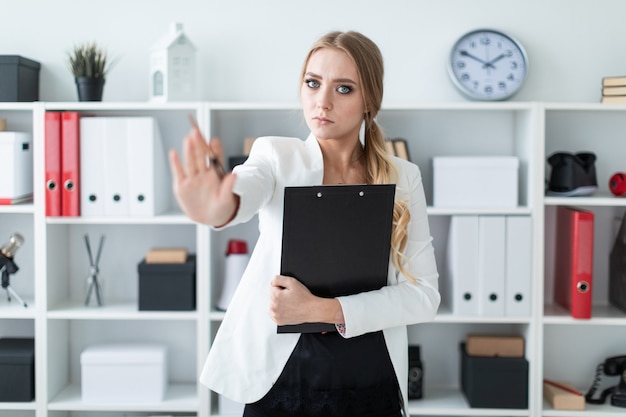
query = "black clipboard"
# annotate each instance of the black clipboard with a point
(336, 241)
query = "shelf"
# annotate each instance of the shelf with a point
(451, 402)
(178, 398)
(601, 200)
(600, 315)
(442, 211)
(120, 105)
(528, 130)
(15, 310)
(116, 311)
(447, 317)
(28, 208)
(168, 218)
(30, 405)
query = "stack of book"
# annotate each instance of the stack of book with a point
(614, 90)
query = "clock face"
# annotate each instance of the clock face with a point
(488, 65)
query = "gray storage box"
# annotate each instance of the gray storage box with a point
(19, 78)
(494, 382)
(167, 287)
(17, 369)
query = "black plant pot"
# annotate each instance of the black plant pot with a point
(89, 89)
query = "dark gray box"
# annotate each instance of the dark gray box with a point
(167, 287)
(494, 382)
(19, 78)
(17, 369)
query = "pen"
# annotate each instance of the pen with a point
(213, 161)
(563, 387)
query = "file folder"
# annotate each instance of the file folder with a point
(92, 167)
(148, 173)
(461, 285)
(116, 201)
(336, 241)
(491, 265)
(70, 164)
(124, 167)
(52, 162)
(518, 266)
(573, 274)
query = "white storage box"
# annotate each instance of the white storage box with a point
(16, 167)
(469, 181)
(124, 373)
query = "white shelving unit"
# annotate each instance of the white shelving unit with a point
(566, 341)
(53, 262)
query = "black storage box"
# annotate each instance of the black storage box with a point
(19, 78)
(494, 382)
(167, 287)
(17, 369)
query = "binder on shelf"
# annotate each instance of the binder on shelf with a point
(52, 162)
(573, 273)
(148, 173)
(70, 164)
(462, 265)
(336, 241)
(115, 167)
(518, 271)
(92, 170)
(125, 170)
(491, 265)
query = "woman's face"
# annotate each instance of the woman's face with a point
(331, 95)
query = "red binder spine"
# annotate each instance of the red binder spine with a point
(70, 164)
(574, 273)
(52, 162)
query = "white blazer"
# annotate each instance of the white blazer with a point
(247, 355)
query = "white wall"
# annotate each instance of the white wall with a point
(251, 50)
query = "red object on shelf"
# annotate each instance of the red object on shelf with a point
(70, 164)
(573, 274)
(617, 184)
(53, 163)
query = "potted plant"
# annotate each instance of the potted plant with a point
(89, 64)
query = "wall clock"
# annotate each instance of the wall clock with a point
(487, 64)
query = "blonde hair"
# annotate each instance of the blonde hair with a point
(379, 169)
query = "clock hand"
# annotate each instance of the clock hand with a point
(490, 63)
(467, 54)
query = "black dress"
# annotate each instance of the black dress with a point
(328, 375)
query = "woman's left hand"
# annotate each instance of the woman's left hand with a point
(292, 303)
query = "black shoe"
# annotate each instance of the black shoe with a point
(572, 175)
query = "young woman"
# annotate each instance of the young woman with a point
(360, 370)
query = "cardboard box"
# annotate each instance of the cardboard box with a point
(17, 369)
(166, 256)
(469, 181)
(561, 399)
(494, 382)
(167, 286)
(16, 169)
(19, 78)
(495, 345)
(124, 373)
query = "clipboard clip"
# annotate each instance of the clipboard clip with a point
(319, 194)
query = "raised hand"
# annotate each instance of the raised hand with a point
(200, 190)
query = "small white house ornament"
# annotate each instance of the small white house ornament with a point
(173, 67)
